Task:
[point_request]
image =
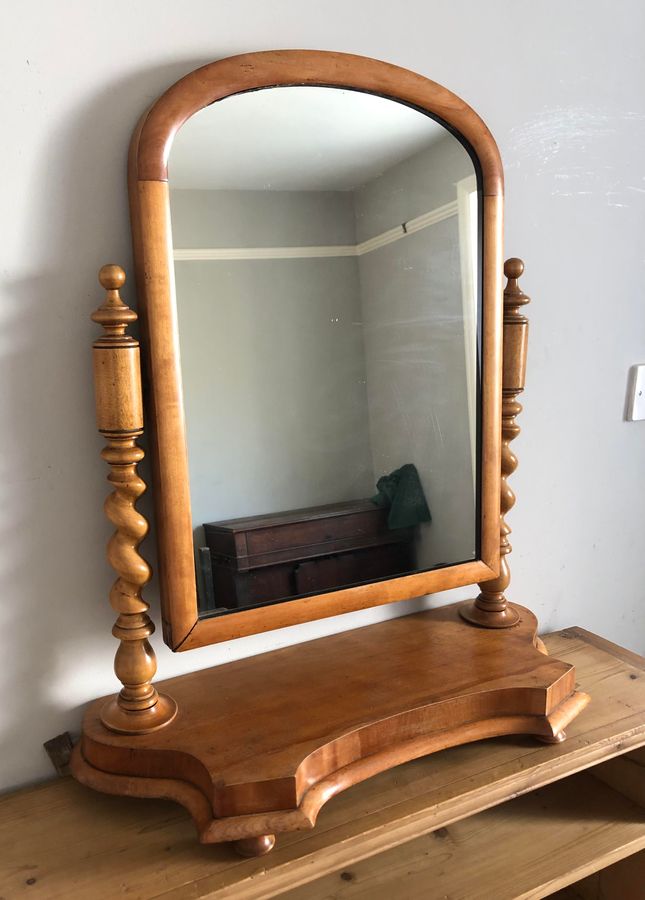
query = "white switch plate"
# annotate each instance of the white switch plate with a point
(636, 394)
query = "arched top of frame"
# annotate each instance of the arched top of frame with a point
(153, 138)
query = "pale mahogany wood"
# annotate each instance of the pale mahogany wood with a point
(544, 841)
(272, 68)
(262, 743)
(138, 707)
(491, 608)
(149, 205)
(77, 844)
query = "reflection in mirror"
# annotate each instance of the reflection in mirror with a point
(327, 283)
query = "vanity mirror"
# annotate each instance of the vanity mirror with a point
(319, 276)
(318, 260)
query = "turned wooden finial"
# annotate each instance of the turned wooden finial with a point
(138, 708)
(113, 314)
(112, 278)
(491, 608)
(513, 269)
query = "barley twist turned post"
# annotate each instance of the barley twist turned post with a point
(138, 708)
(491, 608)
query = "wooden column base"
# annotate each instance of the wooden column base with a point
(260, 745)
(138, 721)
(489, 618)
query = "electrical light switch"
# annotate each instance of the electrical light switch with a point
(636, 394)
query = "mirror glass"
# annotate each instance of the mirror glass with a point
(327, 269)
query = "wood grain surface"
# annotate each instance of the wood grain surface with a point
(61, 840)
(261, 744)
(546, 840)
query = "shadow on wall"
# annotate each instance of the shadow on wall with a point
(56, 618)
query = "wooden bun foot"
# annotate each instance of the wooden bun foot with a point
(556, 738)
(486, 618)
(255, 846)
(142, 721)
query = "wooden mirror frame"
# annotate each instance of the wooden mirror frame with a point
(183, 627)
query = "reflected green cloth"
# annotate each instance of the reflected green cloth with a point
(401, 490)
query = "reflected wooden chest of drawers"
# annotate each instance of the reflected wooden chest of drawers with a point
(286, 554)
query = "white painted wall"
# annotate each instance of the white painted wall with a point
(560, 85)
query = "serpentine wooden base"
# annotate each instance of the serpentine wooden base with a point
(258, 746)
